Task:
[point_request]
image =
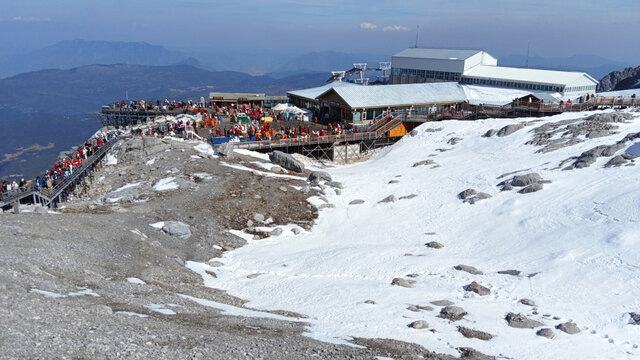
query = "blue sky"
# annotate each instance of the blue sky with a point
(554, 28)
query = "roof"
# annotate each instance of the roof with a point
(487, 95)
(313, 93)
(444, 54)
(526, 75)
(400, 95)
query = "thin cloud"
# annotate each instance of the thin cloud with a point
(30, 19)
(395, 28)
(368, 26)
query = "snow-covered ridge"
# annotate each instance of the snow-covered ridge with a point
(574, 244)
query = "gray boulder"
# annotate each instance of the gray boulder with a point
(474, 334)
(424, 162)
(527, 179)
(479, 196)
(176, 228)
(531, 188)
(453, 313)
(442, 303)
(388, 199)
(466, 194)
(408, 197)
(509, 129)
(527, 302)
(335, 184)
(616, 161)
(434, 245)
(510, 272)
(489, 133)
(546, 332)
(469, 269)
(454, 140)
(258, 217)
(225, 149)
(413, 132)
(401, 282)
(317, 176)
(568, 327)
(520, 321)
(478, 289)
(634, 318)
(286, 161)
(419, 324)
(507, 187)
(356, 202)
(276, 232)
(370, 302)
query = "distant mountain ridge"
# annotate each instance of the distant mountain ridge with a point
(69, 54)
(627, 79)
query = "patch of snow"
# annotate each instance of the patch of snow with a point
(128, 186)
(580, 233)
(160, 308)
(150, 162)
(236, 311)
(139, 233)
(205, 150)
(158, 225)
(258, 172)
(203, 176)
(47, 294)
(195, 157)
(111, 160)
(255, 154)
(129, 313)
(83, 291)
(166, 184)
(134, 280)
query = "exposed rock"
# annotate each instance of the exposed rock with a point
(424, 162)
(616, 161)
(546, 332)
(326, 206)
(619, 80)
(433, 130)
(475, 334)
(419, 324)
(434, 245)
(467, 353)
(454, 140)
(276, 232)
(507, 187)
(478, 289)
(442, 303)
(521, 321)
(258, 217)
(413, 132)
(510, 272)
(489, 133)
(479, 196)
(509, 129)
(469, 269)
(388, 199)
(253, 276)
(286, 161)
(634, 318)
(317, 176)
(370, 302)
(277, 169)
(466, 193)
(283, 188)
(356, 202)
(453, 313)
(178, 260)
(225, 149)
(531, 188)
(568, 327)
(176, 228)
(335, 184)
(407, 197)
(527, 302)
(295, 231)
(418, 308)
(401, 282)
(527, 179)
(589, 157)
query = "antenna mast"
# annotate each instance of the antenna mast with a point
(527, 62)
(417, 30)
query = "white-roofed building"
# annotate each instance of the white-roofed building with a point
(416, 65)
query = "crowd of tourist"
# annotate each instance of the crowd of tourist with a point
(62, 169)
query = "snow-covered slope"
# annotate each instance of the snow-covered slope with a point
(576, 243)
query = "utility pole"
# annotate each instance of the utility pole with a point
(526, 64)
(417, 30)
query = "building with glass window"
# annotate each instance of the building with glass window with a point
(417, 65)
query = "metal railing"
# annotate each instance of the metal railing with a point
(310, 140)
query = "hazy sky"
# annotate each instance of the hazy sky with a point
(609, 28)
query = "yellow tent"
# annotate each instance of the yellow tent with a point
(267, 119)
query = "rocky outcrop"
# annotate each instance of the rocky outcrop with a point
(568, 327)
(478, 289)
(286, 161)
(453, 313)
(469, 269)
(509, 129)
(628, 78)
(474, 334)
(520, 321)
